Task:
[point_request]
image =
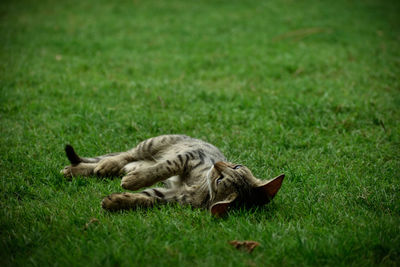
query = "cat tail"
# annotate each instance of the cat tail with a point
(72, 156)
(75, 159)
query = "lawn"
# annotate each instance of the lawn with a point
(306, 88)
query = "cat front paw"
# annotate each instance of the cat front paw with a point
(112, 202)
(135, 180)
(124, 201)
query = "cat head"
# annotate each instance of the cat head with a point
(231, 184)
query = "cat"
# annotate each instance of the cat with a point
(194, 173)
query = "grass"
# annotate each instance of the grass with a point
(308, 88)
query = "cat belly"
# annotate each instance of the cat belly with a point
(173, 182)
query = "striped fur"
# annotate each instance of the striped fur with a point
(194, 173)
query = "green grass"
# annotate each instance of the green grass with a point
(308, 88)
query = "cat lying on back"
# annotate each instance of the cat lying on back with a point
(193, 171)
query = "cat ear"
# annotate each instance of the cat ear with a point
(266, 191)
(219, 209)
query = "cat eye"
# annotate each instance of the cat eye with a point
(220, 179)
(237, 167)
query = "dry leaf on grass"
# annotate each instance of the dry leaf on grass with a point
(245, 245)
(92, 220)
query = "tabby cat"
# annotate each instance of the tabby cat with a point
(194, 172)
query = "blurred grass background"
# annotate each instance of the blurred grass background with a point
(308, 88)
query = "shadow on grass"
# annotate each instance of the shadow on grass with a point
(259, 213)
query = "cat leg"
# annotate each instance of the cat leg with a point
(106, 166)
(124, 201)
(84, 166)
(113, 164)
(125, 161)
(81, 169)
